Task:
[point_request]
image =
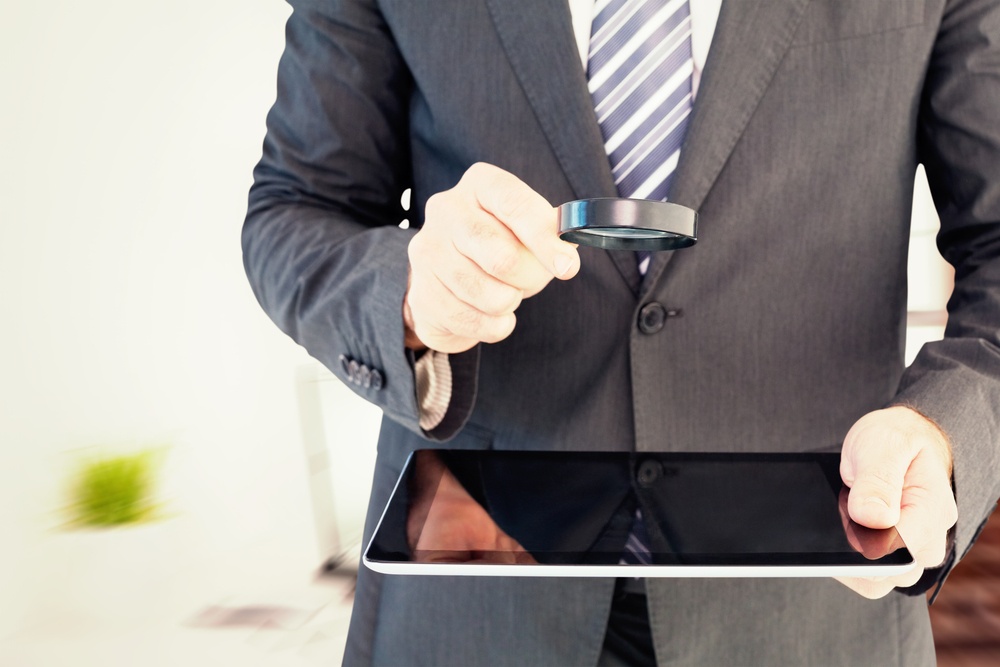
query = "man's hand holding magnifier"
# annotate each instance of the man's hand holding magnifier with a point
(486, 244)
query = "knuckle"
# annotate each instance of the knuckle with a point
(467, 320)
(443, 210)
(480, 230)
(477, 171)
(512, 299)
(473, 324)
(501, 301)
(467, 284)
(478, 177)
(433, 209)
(512, 203)
(425, 332)
(498, 328)
(422, 311)
(879, 480)
(426, 247)
(484, 295)
(504, 264)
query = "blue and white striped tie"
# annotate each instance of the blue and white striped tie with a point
(637, 550)
(640, 70)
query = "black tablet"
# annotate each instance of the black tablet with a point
(511, 513)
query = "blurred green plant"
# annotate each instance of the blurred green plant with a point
(109, 490)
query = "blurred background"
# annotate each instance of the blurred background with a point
(128, 133)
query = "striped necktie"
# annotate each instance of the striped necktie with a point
(639, 71)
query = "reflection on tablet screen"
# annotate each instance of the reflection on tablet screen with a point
(560, 508)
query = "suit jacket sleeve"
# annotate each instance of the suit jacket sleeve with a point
(322, 244)
(956, 382)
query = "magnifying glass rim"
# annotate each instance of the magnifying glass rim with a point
(658, 225)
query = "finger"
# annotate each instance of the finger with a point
(441, 556)
(925, 518)
(860, 537)
(877, 587)
(498, 252)
(429, 305)
(928, 503)
(508, 545)
(522, 557)
(527, 214)
(873, 543)
(458, 226)
(847, 523)
(907, 579)
(928, 508)
(477, 289)
(874, 462)
(444, 322)
(500, 557)
(872, 588)
(925, 539)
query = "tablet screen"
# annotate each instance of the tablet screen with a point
(579, 509)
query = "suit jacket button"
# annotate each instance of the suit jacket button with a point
(354, 371)
(652, 317)
(377, 380)
(366, 376)
(344, 365)
(649, 472)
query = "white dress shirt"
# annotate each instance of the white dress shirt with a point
(433, 373)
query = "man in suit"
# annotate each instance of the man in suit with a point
(780, 331)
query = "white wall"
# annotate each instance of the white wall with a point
(930, 278)
(128, 132)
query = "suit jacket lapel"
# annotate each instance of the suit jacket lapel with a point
(751, 38)
(539, 42)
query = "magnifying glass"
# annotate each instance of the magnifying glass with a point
(628, 224)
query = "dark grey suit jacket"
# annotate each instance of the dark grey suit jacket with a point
(789, 313)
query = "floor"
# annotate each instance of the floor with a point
(288, 626)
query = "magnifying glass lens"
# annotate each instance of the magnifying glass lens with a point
(628, 224)
(627, 233)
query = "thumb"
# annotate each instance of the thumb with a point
(874, 464)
